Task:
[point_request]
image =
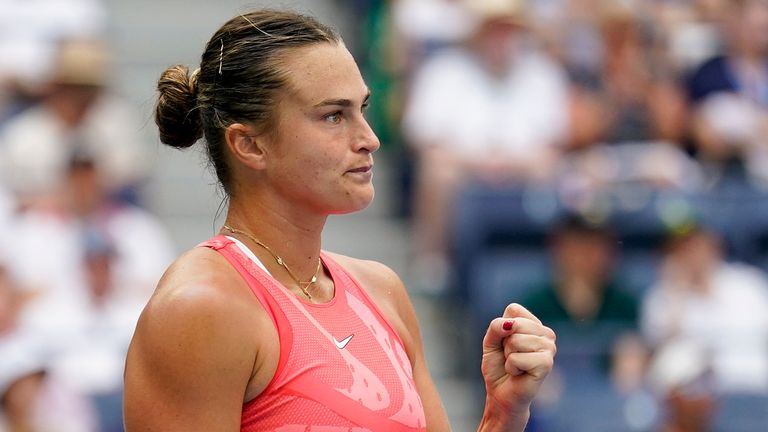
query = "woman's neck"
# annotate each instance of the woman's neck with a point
(292, 234)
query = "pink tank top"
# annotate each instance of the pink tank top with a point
(342, 366)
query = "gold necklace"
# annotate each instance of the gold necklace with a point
(304, 286)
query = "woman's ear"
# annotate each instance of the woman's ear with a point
(246, 145)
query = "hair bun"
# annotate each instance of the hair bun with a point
(176, 110)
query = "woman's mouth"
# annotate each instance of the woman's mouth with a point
(362, 169)
(363, 173)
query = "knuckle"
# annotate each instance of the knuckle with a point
(509, 309)
(551, 349)
(513, 308)
(549, 364)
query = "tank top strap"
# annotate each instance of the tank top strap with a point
(338, 271)
(215, 243)
(257, 280)
(344, 281)
(266, 292)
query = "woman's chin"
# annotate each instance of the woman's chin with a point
(356, 203)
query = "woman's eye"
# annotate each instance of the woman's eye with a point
(333, 117)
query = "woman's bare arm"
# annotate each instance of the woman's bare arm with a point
(193, 352)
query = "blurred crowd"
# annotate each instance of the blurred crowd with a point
(603, 162)
(79, 256)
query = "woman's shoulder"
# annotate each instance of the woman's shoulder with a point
(197, 341)
(200, 274)
(200, 293)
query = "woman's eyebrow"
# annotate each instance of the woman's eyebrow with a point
(341, 101)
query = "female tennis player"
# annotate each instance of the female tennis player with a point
(258, 329)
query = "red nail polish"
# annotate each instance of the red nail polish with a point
(508, 325)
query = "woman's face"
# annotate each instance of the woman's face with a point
(320, 152)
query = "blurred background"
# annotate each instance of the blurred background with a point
(603, 162)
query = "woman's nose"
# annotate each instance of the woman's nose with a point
(366, 139)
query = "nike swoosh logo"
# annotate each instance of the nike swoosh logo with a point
(343, 343)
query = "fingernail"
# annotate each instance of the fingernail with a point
(508, 325)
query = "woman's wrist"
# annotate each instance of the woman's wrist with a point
(498, 418)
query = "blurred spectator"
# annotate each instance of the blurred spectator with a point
(582, 289)
(595, 318)
(682, 377)
(688, 31)
(29, 32)
(7, 209)
(89, 265)
(10, 302)
(730, 94)
(77, 111)
(630, 95)
(491, 110)
(605, 170)
(31, 398)
(50, 242)
(583, 302)
(629, 363)
(424, 26)
(34, 400)
(628, 114)
(719, 305)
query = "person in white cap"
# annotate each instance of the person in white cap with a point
(491, 111)
(77, 110)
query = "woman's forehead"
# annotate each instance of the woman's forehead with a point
(322, 72)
